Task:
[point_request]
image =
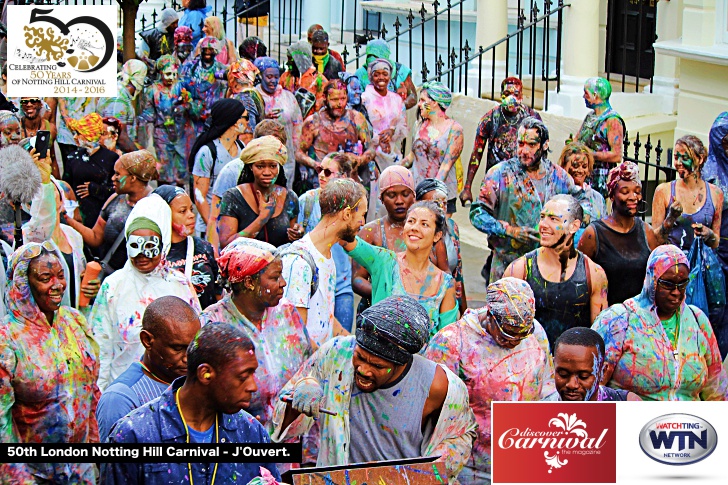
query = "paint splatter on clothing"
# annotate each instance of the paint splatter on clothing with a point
(48, 391)
(682, 233)
(384, 266)
(595, 135)
(508, 194)
(329, 136)
(311, 80)
(385, 113)
(116, 316)
(593, 205)
(96, 169)
(492, 373)
(499, 132)
(203, 275)
(122, 108)
(431, 150)
(400, 75)
(281, 347)
(298, 274)
(173, 130)
(205, 86)
(289, 114)
(331, 366)
(207, 167)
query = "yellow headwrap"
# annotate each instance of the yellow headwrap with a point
(264, 148)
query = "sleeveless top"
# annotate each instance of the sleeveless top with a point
(429, 154)
(429, 303)
(623, 256)
(682, 234)
(387, 423)
(560, 306)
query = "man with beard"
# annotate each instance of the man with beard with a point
(182, 44)
(130, 85)
(570, 288)
(390, 402)
(204, 78)
(497, 129)
(579, 364)
(168, 326)
(335, 128)
(325, 63)
(512, 196)
(343, 204)
(159, 41)
(166, 120)
(602, 131)
(302, 74)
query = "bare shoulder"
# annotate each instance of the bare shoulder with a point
(438, 388)
(517, 269)
(370, 233)
(716, 193)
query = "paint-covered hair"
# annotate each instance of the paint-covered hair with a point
(514, 81)
(576, 148)
(340, 194)
(533, 123)
(599, 86)
(320, 36)
(273, 128)
(334, 84)
(432, 206)
(583, 337)
(695, 148)
(576, 212)
(216, 344)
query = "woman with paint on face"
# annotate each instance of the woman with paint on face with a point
(109, 138)
(657, 346)
(261, 207)
(48, 368)
(9, 129)
(621, 242)
(255, 304)
(116, 317)
(577, 159)
(354, 91)
(188, 253)
(132, 174)
(697, 203)
(438, 143)
(214, 27)
(437, 191)
(411, 272)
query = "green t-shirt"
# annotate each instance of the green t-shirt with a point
(671, 328)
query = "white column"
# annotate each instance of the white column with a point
(491, 26)
(316, 12)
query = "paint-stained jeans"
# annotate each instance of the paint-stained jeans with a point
(344, 310)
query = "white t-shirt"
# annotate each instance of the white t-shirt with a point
(298, 276)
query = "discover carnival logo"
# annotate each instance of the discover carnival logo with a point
(678, 439)
(570, 444)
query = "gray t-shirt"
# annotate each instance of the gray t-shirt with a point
(228, 177)
(204, 168)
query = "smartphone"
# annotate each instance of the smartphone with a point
(42, 142)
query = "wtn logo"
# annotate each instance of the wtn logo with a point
(678, 439)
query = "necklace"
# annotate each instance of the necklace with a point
(187, 432)
(152, 375)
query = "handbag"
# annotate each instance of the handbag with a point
(706, 287)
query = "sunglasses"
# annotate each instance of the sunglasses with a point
(113, 132)
(669, 285)
(506, 335)
(327, 172)
(30, 101)
(245, 117)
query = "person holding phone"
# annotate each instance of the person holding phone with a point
(31, 122)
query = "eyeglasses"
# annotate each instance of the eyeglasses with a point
(506, 335)
(30, 101)
(34, 249)
(327, 172)
(669, 285)
(113, 132)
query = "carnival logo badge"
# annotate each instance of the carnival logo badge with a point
(678, 439)
(61, 50)
(566, 443)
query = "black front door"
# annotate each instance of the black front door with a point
(631, 31)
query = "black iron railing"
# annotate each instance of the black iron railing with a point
(654, 172)
(536, 31)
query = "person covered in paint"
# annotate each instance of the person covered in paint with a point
(188, 253)
(159, 41)
(111, 136)
(335, 128)
(498, 128)
(383, 393)
(716, 172)
(132, 174)
(579, 367)
(334, 166)
(400, 81)
(354, 91)
(621, 242)
(194, 17)
(332, 53)
(324, 62)
(255, 304)
(48, 368)
(449, 250)
(309, 266)
(251, 48)
(578, 161)
(260, 207)
(302, 74)
(656, 345)
(411, 272)
(242, 76)
(165, 117)
(67, 109)
(207, 406)
(438, 142)
(130, 86)
(697, 202)
(602, 130)
(498, 351)
(117, 312)
(168, 326)
(214, 27)
(512, 196)
(203, 77)
(570, 289)
(280, 105)
(182, 44)
(212, 150)
(10, 133)
(386, 113)
(90, 167)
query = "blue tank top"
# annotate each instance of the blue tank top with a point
(682, 235)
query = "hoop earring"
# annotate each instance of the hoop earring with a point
(642, 207)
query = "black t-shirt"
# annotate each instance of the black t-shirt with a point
(275, 231)
(115, 215)
(204, 268)
(98, 169)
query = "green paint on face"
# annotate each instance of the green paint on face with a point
(122, 181)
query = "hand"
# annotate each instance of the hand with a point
(673, 213)
(91, 289)
(466, 196)
(82, 190)
(703, 232)
(44, 165)
(523, 234)
(267, 207)
(386, 136)
(295, 233)
(274, 114)
(307, 396)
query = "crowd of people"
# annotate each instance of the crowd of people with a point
(237, 209)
